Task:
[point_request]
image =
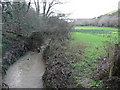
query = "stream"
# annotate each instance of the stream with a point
(27, 72)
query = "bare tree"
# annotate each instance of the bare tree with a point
(46, 6)
(37, 6)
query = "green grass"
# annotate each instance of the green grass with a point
(92, 40)
(94, 43)
(95, 28)
(88, 62)
(95, 47)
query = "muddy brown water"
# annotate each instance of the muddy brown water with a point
(27, 72)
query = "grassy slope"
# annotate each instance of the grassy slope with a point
(92, 41)
(95, 48)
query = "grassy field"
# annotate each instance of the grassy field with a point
(95, 47)
(95, 28)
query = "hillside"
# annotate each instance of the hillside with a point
(107, 20)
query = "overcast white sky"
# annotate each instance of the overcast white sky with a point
(88, 8)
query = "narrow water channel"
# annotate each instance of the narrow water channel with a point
(26, 72)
